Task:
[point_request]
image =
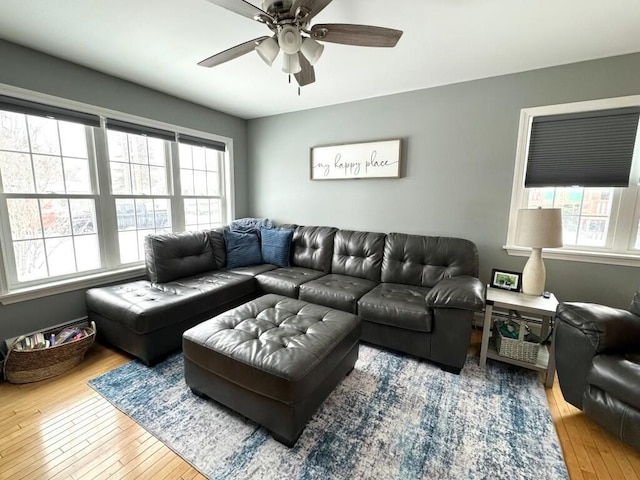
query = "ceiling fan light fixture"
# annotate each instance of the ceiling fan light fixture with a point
(302, 44)
(268, 50)
(312, 50)
(289, 39)
(291, 63)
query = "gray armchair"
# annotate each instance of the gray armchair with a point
(598, 362)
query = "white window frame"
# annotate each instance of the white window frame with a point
(221, 187)
(114, 254)
(105, 205)
(625, 211)
(9, 272)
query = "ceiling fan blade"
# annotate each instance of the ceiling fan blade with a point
(359, 35)
(231, 53)
(314, 7)
(307, 75)
(241, 8)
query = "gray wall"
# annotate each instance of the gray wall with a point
(459, 146)
(25, 68)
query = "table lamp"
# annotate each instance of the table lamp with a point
(537, 228)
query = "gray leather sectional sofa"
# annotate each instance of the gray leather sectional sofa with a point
(415, 294)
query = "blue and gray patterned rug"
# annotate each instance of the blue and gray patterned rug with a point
(393, 417)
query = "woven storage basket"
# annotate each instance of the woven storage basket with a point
(25, 366)
(513, 348)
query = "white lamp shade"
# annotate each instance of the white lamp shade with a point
(290, 63)
(268, 50)
(539, 227)
(289, 39)
(312, 50)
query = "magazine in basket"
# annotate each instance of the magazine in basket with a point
(46, 354)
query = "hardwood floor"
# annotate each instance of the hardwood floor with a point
(61, 428)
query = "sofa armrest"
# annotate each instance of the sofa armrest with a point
(464, 292)
(584, 330)
(606, 329)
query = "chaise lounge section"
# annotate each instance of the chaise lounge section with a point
(185, 286)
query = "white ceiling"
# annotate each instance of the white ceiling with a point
(157, 43)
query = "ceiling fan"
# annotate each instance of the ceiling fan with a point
(289, 21)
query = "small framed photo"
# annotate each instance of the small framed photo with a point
(506, 280)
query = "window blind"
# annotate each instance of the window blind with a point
(134, 128)
(588, 149)
(202, 142)
(27, 107)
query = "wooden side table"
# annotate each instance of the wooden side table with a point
(540, 306)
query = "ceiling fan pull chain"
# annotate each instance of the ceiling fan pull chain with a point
(298, 91)
(289, 78)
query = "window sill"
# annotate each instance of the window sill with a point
(627, 260)
(55, 288)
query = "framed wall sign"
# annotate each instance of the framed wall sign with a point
(356, 160)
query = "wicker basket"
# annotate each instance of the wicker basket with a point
(25, 366)
(513, 348)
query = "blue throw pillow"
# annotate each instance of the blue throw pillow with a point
(276, 246)
(243, 249)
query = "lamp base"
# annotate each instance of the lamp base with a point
(534, 274)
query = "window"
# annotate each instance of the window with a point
(49, 197)
(139, 173)
(586, 212)
(200, 183)
(79, 192)
(600, 223)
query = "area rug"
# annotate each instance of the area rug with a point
(393, 417)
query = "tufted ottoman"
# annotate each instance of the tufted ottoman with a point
(274, 360)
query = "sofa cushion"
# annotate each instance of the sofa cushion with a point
(619, 375)
(312, 248)
(175, 255)
(397, 305)
(276, 246)
(336, 291)
(424, 261)
(358, 254)
(243, 249)
(145, 306)
(286, 281)
(253, 270)
(219, 246)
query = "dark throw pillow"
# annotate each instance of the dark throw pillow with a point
(276, 246)
(243, 249)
